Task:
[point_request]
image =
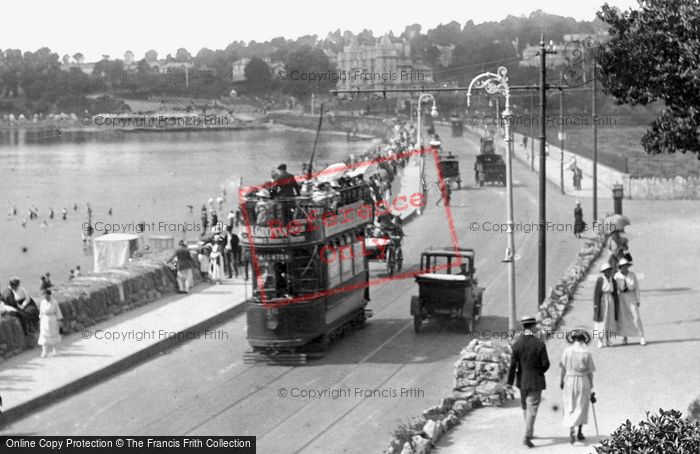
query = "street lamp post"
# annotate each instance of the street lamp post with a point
(419, 139)
(497, 83)
(433, 113)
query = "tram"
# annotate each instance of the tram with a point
(310, 272)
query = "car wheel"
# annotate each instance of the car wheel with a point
(417, 322)
(469, 325)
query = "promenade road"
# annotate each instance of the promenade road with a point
(203, 387)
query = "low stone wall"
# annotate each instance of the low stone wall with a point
(553, 308)
(665, 188)
(480, 379)
(95, 297)
(482, 368)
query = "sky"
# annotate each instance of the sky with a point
(97, 27)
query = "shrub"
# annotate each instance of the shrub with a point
(406, 430)
(666, 432)
(694, 410)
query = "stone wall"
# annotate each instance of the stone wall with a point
(553, 308)
(480, 379)
(95, 297)
(665, 188)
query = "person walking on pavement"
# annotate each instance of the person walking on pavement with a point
(576, 382)
(216, 260)
(605, 306)
(579, 224)
(528, 364)
(184, 265)
(629, 322)
(49, 324)
(446, 194)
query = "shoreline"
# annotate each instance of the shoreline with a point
(79, 127)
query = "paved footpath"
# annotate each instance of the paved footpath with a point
(28, 381)
(630, 379)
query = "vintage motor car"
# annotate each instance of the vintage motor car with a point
(447, 288)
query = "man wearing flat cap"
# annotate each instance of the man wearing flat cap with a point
(285, 183)
(528, 364)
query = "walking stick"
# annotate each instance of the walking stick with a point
(595, 418)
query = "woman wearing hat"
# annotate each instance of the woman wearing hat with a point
(216, 260)
(629, 322)
(579, 225)
(576, 382)
(605, 306)
(49, 318)
(264, 207)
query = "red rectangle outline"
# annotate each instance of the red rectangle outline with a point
(380, 280)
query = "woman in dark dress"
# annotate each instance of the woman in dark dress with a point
(579, 225)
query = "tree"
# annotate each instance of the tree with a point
(308, 61)
(257, 73)
(151, 56)
(182, 55)
(79, 58)
(653, 54)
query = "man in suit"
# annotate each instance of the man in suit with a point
(286, 184)
(184, 266)
(528, 364)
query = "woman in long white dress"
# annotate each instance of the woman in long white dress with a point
(49, 318)
(605, 306)
(576, 382)
(629, 322)
(216, 259)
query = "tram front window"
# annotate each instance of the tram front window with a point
(273, 278)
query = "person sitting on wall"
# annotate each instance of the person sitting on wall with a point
(16, 302)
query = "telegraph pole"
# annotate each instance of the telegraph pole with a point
(595, 140)
(542, 244)
(561, 132)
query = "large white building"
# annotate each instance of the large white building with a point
(384, 65)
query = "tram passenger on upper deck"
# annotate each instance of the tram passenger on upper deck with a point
(326, 195)
(286, 184)
(264, 207)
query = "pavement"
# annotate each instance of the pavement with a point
(28, 381)
(630, 379)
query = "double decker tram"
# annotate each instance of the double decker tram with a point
(310, 272)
